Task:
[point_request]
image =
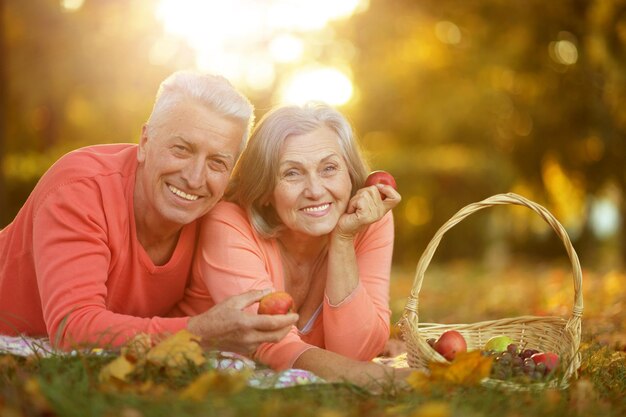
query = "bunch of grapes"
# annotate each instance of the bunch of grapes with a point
(515, 363)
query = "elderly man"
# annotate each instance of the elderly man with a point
(102, 248)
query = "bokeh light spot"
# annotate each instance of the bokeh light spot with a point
(448, 32)
(71, 5)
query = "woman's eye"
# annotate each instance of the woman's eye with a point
(218, 165)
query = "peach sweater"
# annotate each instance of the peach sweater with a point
(232, 258)
(71, 266)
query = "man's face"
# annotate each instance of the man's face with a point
(185, 162)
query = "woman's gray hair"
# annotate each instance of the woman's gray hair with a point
(212, 91)
(255, 175)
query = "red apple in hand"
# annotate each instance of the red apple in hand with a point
(278, 302)
(450, 343)
(381, 177)
(549, 359)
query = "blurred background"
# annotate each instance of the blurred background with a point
(458, 99)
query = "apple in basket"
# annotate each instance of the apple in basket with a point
(549, 359)
(278, 302)
(381, 177)
(498, 343)
(450, 343)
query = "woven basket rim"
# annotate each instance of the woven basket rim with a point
(571, 328)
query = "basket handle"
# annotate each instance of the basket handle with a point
(498, 199)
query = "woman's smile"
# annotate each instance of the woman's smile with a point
(317, 210)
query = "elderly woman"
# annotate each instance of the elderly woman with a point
(298, 219)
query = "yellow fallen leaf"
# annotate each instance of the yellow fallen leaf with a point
(468, 368)
(36, 397)
(177, 351)
(433, 409)
(224, 383)
(419, 381)
(116, 371)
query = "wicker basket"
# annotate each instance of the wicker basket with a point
(543, 333)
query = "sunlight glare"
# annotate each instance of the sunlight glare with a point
(72, 5)
(286, 48)
(310, 15)
(260, 73)
(328, 85)
(233, 37)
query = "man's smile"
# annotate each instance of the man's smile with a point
(182, 194)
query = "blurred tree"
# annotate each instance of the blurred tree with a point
(465, 99)
(3, 94)
(76, 77)
(460, 99)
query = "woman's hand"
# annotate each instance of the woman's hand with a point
(337, 368)
(367, 206)
(227, 327)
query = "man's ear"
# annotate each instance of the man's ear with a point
(141, 149)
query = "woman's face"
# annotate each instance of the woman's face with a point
(313, 186)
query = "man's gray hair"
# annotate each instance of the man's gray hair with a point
(212, 91)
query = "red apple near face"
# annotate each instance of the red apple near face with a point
(549, 359)
(381, 177)
(278, 302)
(450, 343)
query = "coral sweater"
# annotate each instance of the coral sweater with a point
(71, 266)
(232, 258)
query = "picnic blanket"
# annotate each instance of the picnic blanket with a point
(261, 377)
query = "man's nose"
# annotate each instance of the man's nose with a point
(195, 173)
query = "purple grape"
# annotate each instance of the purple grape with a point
(529, 366)
(541, 367)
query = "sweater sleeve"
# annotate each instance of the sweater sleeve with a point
(358, 327)
(72, 262)
(232, 259)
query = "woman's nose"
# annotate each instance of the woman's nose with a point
(314, 186)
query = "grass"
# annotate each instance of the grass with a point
(69, 385)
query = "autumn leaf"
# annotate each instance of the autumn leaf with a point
(224, 383)
(33, 390)
(175, 352)
(116, 371)
(433, 409)
(419, 381)
(468, 368)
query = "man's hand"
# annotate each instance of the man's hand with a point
(227, 327)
